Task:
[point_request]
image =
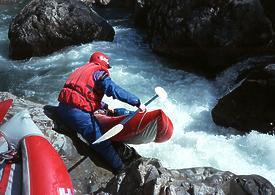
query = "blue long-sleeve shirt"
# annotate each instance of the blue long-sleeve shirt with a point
(111, 89)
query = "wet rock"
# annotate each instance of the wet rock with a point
(43, 27)
(251, 105)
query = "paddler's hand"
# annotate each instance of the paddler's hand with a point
(110, 111)
(142, 108)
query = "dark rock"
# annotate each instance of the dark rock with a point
(269, 6)
(128, 4)
(251, 105)
(216, 32)
(97, 2)
(147, 176)
(49, 25)
(140, 13)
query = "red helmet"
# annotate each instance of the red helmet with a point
(100, 59)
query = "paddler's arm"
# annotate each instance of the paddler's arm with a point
(111, 89)
(98, 77)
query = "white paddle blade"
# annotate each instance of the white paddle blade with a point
(161, 93)
(112, 132)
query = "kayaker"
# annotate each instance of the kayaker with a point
(82, 95)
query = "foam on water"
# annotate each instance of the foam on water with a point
(249, 154)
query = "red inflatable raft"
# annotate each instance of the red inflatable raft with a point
(40, 171)
(151, 126)
(145, 127)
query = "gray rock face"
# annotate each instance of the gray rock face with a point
(251, 105)
(49, 25)
(211, 29)
(147, 176)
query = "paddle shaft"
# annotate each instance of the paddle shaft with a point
(137, 111)
(77, 163)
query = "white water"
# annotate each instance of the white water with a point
(196, 141)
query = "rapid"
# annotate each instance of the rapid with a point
(196, 141)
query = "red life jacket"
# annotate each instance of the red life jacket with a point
(80, 90)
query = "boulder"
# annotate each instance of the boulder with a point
(269, 6)
(140, 13)
(128, 4)
(43, 27)
(97, 2)
(250, 106)
(215, 32)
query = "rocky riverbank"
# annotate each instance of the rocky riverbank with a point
(142, 175)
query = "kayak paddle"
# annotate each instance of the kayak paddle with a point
(77, 163)
(160, 92)
(4, 107)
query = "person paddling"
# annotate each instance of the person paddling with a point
(82, 95)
